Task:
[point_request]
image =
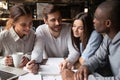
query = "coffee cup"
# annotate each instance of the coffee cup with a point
(17, 57)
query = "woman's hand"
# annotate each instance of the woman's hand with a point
(65, 65)
(8, 61)
(24, 61)
(67, 74)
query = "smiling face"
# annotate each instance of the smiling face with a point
(77, 28)
(22, 25)
(54, 21)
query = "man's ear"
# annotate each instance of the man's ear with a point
(108, 23)
(45, 20)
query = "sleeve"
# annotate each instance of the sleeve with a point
(31, 44)
(100, 58)
(97, 76)
(37, 53)
(1, 46)
(73, 55)
(93, 44)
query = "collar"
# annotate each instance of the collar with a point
(116, 38)
(14, 34)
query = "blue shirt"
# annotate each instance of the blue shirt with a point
(92, 45)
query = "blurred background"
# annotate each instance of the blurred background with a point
(69, 8)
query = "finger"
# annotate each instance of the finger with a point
(64, 65)
(31, 66)
(69, 65)
(7, 56)
(78, 75)
(75, 76)
(81, 74)
(25, 60)
(31, 62)
(85, 75)
(35, 68)
(8, 61)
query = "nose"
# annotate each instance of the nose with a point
(28, 27)
(75, 29)
(57, 22)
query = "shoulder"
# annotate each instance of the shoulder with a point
(32, 31)
(42, 30)
(4, 34)
(41, 27)
(95, 34)
(95, 37)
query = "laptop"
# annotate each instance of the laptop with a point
(7, 76)
(10, 73)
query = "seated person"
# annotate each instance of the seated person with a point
(20, 37)
(53, 38)
(106, 21)
(84, 37)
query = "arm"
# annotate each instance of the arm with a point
(99, 77)
(93, 44)
(95, 61)
(73, 55)
(37, 53)
(1, 46)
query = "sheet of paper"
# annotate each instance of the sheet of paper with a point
(54, 61)
(52, 77)
(30, 76)
(51, 67)
(49, 70)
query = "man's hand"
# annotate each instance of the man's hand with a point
(8, 61)
(65, 65)
(82, 73)
(32, 67)
(67, 74)
(24, 61)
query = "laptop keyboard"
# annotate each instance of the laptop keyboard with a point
(6, 75)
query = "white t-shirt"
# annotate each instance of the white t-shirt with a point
(54, 47)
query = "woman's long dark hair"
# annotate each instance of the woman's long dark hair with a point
(87, 30)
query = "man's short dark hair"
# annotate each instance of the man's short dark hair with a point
(112, 11)
(50, 8)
